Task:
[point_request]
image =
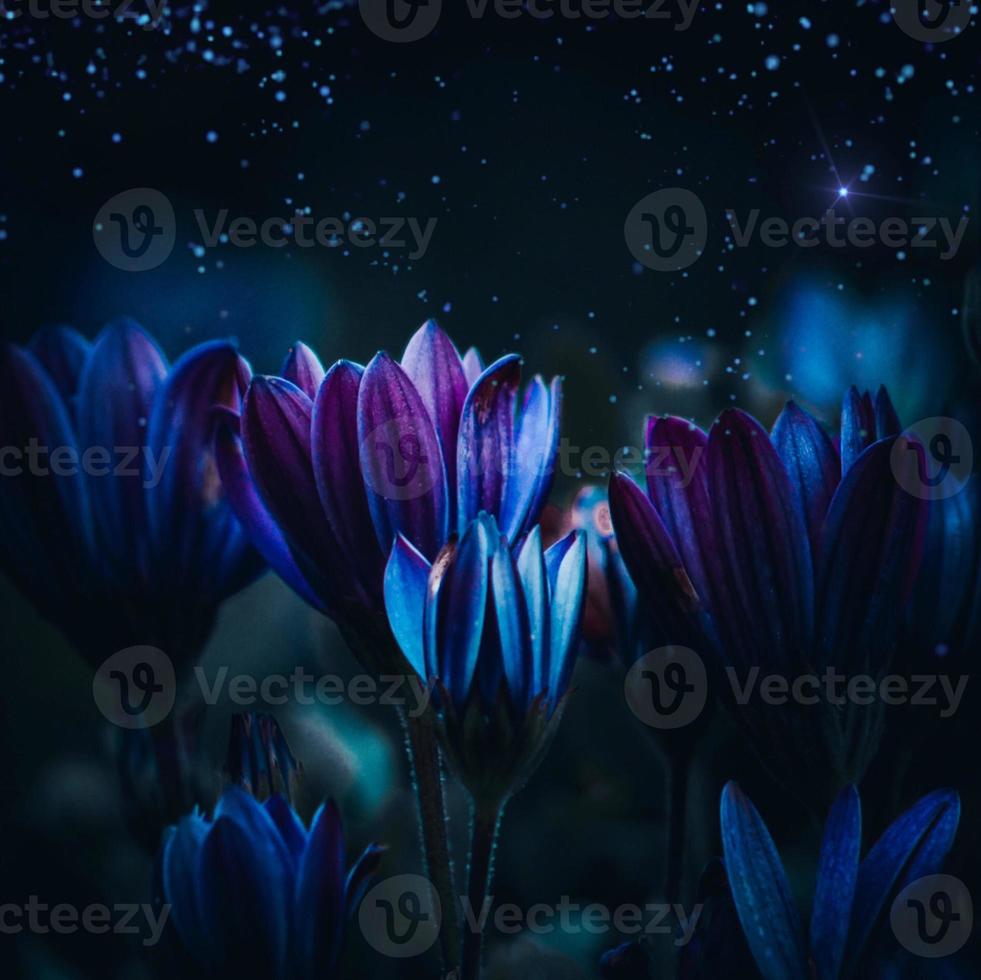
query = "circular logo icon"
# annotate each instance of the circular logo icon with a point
(933, 459)
(667, 230)
(136, 687)
(933, 916)
(932, 21)
(667, 687)
(135, 231)
(401, 916)
(396, 464)
(400, 21)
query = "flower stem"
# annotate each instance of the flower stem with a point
(486, 821)
(427, 775)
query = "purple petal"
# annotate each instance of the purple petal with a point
(116, 393)
(276, 425)
(251, 512)
(677, 481)
(764, 543)
(401, 460)
(652, 560)
(486, 446)
(473, 366)
(337, 469)
(812, 464)
(434, 366)
(304, 369)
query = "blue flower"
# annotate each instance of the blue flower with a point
(850, 897)
(325, 469)
(259, 757)
(253, 893)
(495, 635)
(112, 517)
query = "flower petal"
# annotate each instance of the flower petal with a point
(116, 393)
(180, 867)
(886, 420)
(401, 460)
(303, 368)
(485, 455)
(473, 366)
(812, 464)
(537, 441)
(406, 578)
(763, 539)
(319, 903)
(337, 469)
(63, 352)
(835, 888)
(760, 890)
(914, 846)
(534, 584)
(870, 546)
(857, 427)
(567, 594)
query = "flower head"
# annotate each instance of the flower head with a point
(259, 757)
(495, 635)
(114, 521)
(254, 893)
(778, 552)
(850, 897)
(325, 470)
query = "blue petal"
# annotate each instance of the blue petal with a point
(116, 393)
(835, 889)
(181, 886)
(886, 420)
(534, 583)
(406, 577)
(760, 890)
(63, 352)
(812, 464)
(320, 894)
(508, 651)
(857, 427)
(914, 846)
(288, 824)
(567, 594)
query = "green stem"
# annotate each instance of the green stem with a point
(486, 822)
(427, 776)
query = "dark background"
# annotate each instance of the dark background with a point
(543, 136)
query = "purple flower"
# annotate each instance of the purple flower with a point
(113, 517)
(847, 936)
(495, 635)
(254, 893)
(324, 470)
(777, 552)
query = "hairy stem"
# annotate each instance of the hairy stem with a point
(483, 839)
(428, 781)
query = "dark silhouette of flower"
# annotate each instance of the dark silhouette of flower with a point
(780, 554)
(254, 893)
(114, 520)
(259, 758)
